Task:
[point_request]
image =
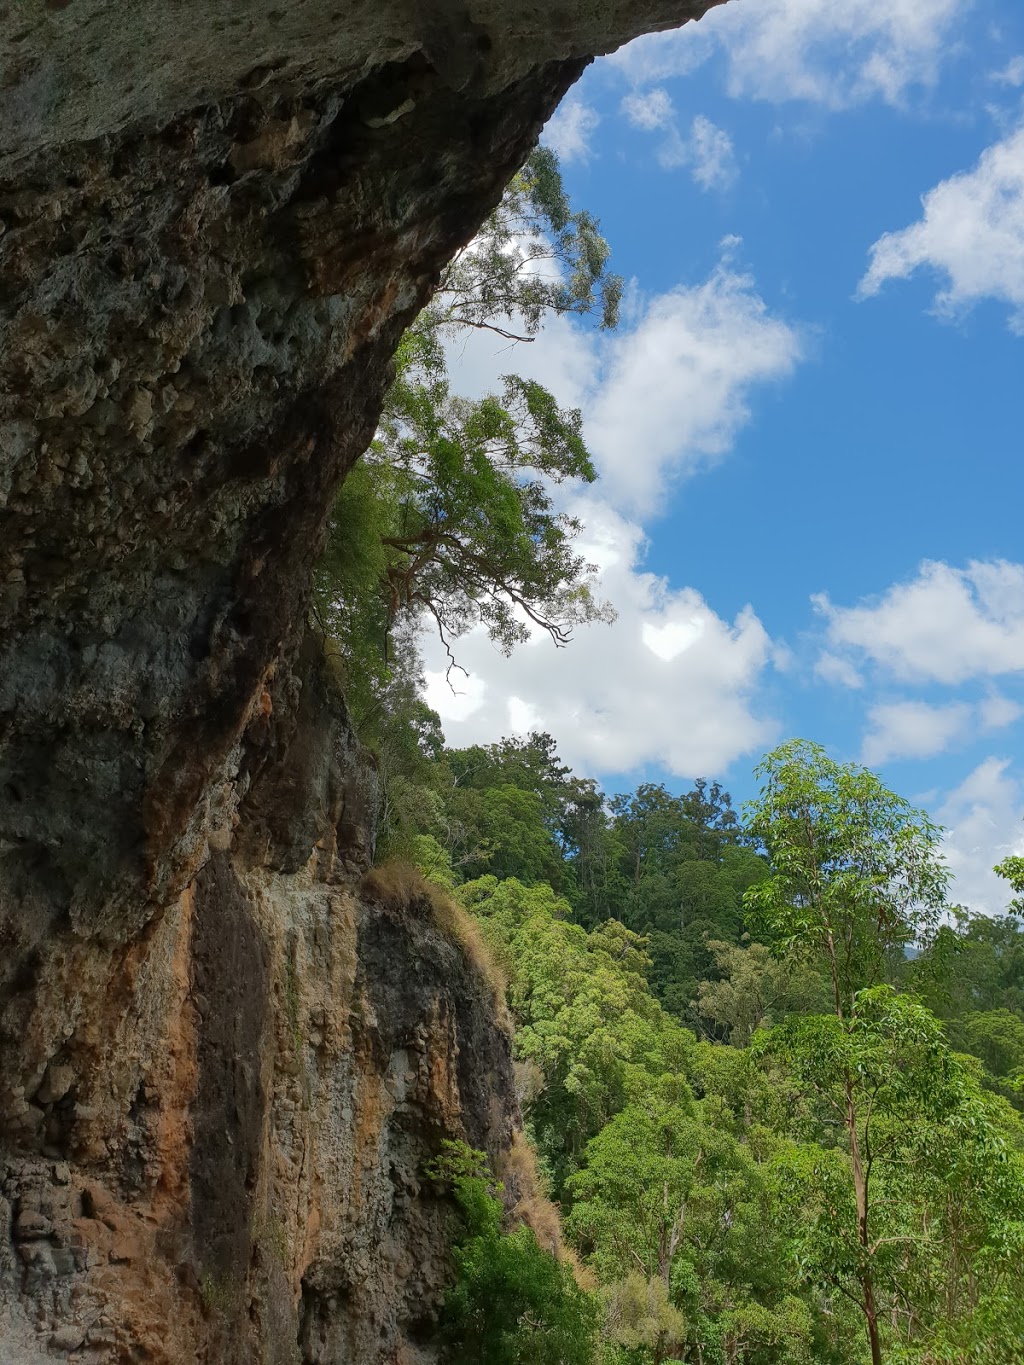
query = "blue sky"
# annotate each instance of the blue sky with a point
(809, 422)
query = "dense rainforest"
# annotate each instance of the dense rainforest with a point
(771, 1077)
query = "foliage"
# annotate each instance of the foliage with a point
(655, 1177)
(511, 1302)
(855, 879)
(474, 535)
(452, 514)
(942, 1189)
(983, 966)
(751, 1202)
(994, 1036)
(836, 1155)
(1012, 869)
(678, 867)
(504, 835)
(671, 1195)
(641, 1318)
(820, 1155)
(755, 990)
(584, 1013)
(856, 873)
(533, 257)
(433, 862)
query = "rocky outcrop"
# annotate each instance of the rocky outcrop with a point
(223, 1160)
(221, 1062)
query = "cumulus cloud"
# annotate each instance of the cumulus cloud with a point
(919, 729)
(662, 56)
(649, 109)
(674, 390)
(664, 395)
(815, 50)
(946, 625)
(706, 149)
(971, 231)
(669, 683)
(833, 668)
(912, 729)
(569, 131)
(995, 712)
(983, 818)
(711, 155)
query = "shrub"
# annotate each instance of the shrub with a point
(511, 1303)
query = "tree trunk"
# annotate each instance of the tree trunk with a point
(871, 1314)
(860, 1184)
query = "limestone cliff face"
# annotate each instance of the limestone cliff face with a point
(227, 1148)
(223, 1061)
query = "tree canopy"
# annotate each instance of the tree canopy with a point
(455, 517)
(773, 1080)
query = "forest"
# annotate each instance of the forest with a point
(772, 1077)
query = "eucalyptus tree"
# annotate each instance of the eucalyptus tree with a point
(534, 257)
(857, 874)
(925, 1238)
(856, 878)
(456, 518)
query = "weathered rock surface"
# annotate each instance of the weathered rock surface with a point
(222, 1062)
(223, 1160)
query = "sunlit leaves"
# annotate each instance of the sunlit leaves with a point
(856, 870)
(460, 491)
(533, 256)
(477, 538)
(511, 1302)
(942, 1188)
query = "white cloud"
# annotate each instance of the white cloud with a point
(665, 394)
(670, 640)
(946, 625)
(570, 128)
(706, 150)
(461, 694)
(661, 56)
(523, 717)
(1011, 74)
(669, 683)
(919, 729)
(983, 817)
(563, 356)
(912, 729)
(836, 55)
(711, 151)
(834, 668)
(674, 391)
(971, 231)
(996, 712)
(650, 109)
